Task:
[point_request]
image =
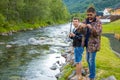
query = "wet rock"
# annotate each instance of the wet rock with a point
(10, 33)
(58, 62)
(73, 65)
(64, 55)
(62, 68)
(33, 41)
(14, 31)
(14, 78)
(8, 46)
(30, 28)
(58, 75)
(70, 58)
(2, 43)
(52, 50)
(4, 34)
(57, 56)
(68, 51)
(33, 52)
(72, 75)
(42, 38)
(110, 78)
(54, 66)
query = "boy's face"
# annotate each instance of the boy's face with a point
(76, 23)
(90, 15)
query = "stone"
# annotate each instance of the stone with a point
(42, 38)
(4, 34)
(58, 75)
(57, 56)
(72, 75)
(2, 43)
(8, 46)
(64, 55)
(53, 51)
(30, 28)
(10, 33)
(110, 78)
(68, 51)
(54, 66)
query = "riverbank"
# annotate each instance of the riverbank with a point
(13, 28)
(107, 63)
(113, 27)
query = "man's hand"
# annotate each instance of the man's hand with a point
(89, 26)
(72, 35)
(83, 25)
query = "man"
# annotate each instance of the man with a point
(78, 42)
(92, 40)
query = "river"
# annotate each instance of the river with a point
(29, 55)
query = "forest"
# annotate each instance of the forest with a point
(17, 15)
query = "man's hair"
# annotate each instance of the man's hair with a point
(91, 9)
(76, 18)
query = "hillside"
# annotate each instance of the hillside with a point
(82, 5)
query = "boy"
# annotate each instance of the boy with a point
(78, 43)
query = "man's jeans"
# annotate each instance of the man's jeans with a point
(91, 64)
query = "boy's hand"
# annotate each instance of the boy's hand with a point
(72, 35)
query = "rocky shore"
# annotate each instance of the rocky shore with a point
(67, 69)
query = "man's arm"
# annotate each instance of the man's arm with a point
(97, 30)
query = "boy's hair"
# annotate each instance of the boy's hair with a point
(76, 18)
(91, 9)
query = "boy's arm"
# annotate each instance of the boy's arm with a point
(77, 36)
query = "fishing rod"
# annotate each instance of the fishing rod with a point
(68, 39)
(71, 24)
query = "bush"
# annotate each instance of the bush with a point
(2, 20)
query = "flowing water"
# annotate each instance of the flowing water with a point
(29, 55)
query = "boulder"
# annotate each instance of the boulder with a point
(8, 46)
(110, 78)
(72, 75)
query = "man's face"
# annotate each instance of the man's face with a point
(90, 15)
(76, 23)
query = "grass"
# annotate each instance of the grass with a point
(107, 63)
(113, 27)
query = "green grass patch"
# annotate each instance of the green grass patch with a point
(113, 27)
(107, 62)
(66, 72)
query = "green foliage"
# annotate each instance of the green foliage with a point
(66, 72)
(32, 12)
(82, 16)
(113, 27)
(81, 5)
(2, 20)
